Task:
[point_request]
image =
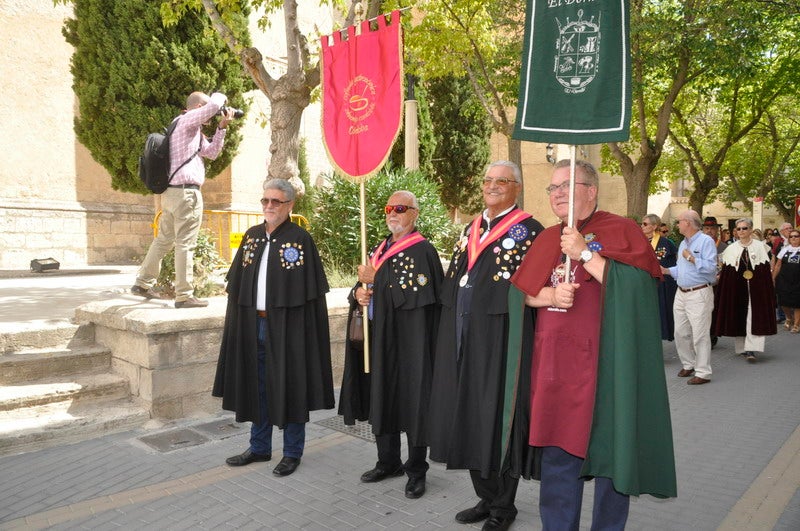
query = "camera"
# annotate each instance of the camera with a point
(237, 113)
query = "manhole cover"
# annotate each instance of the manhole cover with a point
(221, 429)
(362, 430)
(174, 440)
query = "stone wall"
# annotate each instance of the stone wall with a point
(170, 357)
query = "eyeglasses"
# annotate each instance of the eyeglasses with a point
(400, 209)
(563, 186)
(644, 224)
(742, 228)
(664, 231)
(794, 235)
(269, 201)
(500, 181)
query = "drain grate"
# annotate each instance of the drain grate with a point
(222, 429)
(173, 440)
(362, 430)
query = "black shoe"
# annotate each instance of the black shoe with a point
(378, 474)
(191, 302)
(147, 293)
(714, 340)
(751, 357)
(472, 515)
(497, 523)
(246, 458)
(287, 466)
(415, 487)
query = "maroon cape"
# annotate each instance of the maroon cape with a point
(629, 246)
(731, 298)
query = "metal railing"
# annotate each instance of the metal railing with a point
(228, 226)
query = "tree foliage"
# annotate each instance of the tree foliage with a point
(766, 163)
(132, 76)
(680, 44)
(473, 38)
(462, 142)
(336, 226)
(735, 95)
(425, 135)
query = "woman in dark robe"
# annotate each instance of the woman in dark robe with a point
(787, 281)
(667, 254)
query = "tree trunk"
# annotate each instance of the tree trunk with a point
(288, 100)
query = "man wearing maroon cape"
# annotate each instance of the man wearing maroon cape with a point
(599, 406)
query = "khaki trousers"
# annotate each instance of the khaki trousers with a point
(178, 227)
(692, 312)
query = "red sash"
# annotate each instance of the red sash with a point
(474, 245)
(400, 245)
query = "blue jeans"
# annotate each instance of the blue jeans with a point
(561, 494)
(294, 434)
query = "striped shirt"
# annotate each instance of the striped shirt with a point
(188, 137)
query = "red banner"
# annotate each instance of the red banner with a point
(362, 96)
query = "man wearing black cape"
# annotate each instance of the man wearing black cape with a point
(469, 372)
(275, 360)
(405, 273)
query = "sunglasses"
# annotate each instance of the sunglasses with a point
(400, 209)
(268, 201)
(742, 228)
(500, 181)
(664, 231)
(794, 235)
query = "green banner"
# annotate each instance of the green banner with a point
(575, 81)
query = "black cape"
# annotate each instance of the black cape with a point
(298, 353)
(667, 254)
(466, 409)
(394, 396)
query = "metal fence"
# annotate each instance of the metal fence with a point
(228, 226)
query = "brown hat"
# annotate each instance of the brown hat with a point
(710, 221)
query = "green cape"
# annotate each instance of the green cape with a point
(631, 437)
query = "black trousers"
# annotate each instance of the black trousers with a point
(389, 455)
(497, 493)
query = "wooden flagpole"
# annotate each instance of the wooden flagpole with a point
(358, 10)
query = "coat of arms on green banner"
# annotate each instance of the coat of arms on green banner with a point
(575, 78)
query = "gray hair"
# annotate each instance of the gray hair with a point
(281, 185)
(515, 171)
(746, 221)
(653, 220)
(694, 218)
(589, 171)
(411, 197)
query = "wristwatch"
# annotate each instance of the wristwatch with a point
(586, 255)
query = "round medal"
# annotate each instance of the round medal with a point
(747, 274)
(508, 243)
(463, 281)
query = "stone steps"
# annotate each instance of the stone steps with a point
(67, 422)
(29, 365)
(57, 388)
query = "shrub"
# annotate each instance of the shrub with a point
(207, 261)
(336, 225)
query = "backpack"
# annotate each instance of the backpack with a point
(154, 162)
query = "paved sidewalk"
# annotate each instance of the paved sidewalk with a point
(737, 443)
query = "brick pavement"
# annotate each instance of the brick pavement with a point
(737, 443)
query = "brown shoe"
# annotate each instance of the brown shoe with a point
(683, 373)
(147, 293)
(698, 381)
(191, 302)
